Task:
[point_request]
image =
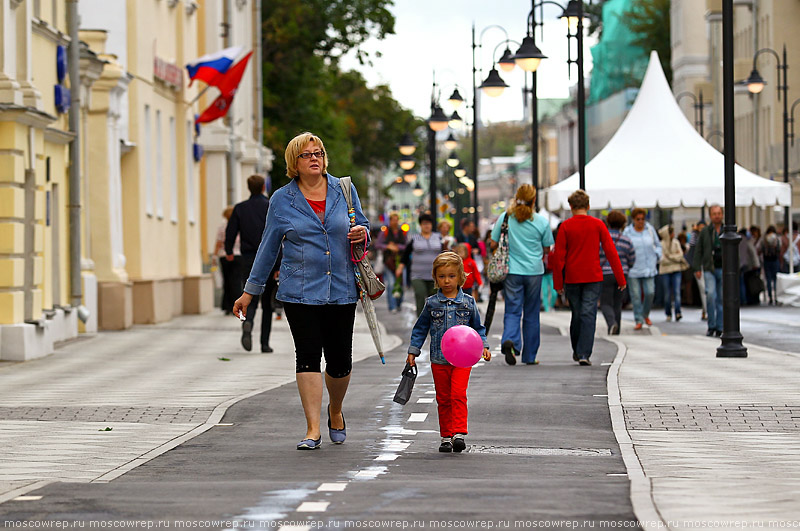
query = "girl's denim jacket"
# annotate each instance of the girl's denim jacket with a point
(439, 314)
(316, 266)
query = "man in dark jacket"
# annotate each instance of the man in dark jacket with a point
(707, 263)
(248, 221)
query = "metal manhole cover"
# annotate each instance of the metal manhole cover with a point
(515, 450)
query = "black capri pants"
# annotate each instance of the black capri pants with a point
(324, 328)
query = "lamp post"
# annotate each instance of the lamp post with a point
(493, 86)
(697, 104)
(437, 122)
(527, 58)
(731, 346)
(755, 84)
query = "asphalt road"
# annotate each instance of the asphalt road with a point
(541, 453)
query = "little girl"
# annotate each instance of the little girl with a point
(449, 307)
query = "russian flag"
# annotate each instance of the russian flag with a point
(210, 67)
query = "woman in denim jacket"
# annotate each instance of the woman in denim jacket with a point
(449, 307)
(308, 219)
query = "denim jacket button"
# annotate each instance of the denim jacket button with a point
(327, 252)
(328, 273)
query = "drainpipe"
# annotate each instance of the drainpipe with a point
(74, 58)
(231, 120)
(259, 99)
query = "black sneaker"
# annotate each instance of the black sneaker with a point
(710, 332)
(718, 333)
(508, 349)
(574, 356)
(458, 443)
(584, 361)
(446, 446)
(247, 340)
(266, 349)
(613, 330)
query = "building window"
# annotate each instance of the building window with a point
(173, 178)
(159, 168)
(189, 173)
(148, 162)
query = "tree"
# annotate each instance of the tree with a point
(649, 21)
(302, 43)
(494, 140)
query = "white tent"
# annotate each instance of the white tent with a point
(656, 158)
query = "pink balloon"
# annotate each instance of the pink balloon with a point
(462, 346)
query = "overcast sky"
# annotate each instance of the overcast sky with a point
(436, 35)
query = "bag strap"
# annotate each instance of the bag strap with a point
(344, 182)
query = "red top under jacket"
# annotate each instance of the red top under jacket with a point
(576, 258)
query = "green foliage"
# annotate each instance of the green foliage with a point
(305, 90)
(494, 140)
(649, 21)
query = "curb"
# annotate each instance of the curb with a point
(644, 506)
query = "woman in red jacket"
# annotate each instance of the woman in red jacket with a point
(577, 271)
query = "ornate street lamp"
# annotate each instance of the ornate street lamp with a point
(731, 346)
(455, 99)
(697, 104)
(493, 86)
(451, 143)
(755, 84)
(438, 120)
(407, 145)
(528, 57)
(507, 62)
(455, 121)
(409, 176)
(407, 162)
(452, 159)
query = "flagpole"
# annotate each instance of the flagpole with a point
(198, 96)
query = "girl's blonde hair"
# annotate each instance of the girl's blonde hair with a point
(523, 203)
(449, 258)
(296, 146)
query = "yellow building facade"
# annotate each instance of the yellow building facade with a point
(147, 207)
(144, 202)
(36, 307)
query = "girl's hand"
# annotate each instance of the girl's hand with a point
(411, 360)
(487, 354)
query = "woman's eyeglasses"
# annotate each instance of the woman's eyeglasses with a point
(318, 154)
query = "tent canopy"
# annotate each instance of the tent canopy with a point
(656, 158)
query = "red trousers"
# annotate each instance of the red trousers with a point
(451, 396)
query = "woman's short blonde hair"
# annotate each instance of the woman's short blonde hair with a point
(578, 200)
(296, 146)
(449, 258)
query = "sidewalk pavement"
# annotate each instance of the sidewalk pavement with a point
(707, 441)
(154, 386)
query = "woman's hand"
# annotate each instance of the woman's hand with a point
(357, 234)
(487, 354)
(241, 304)
(411, 360)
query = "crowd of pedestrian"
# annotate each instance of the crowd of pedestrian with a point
(295, 250)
